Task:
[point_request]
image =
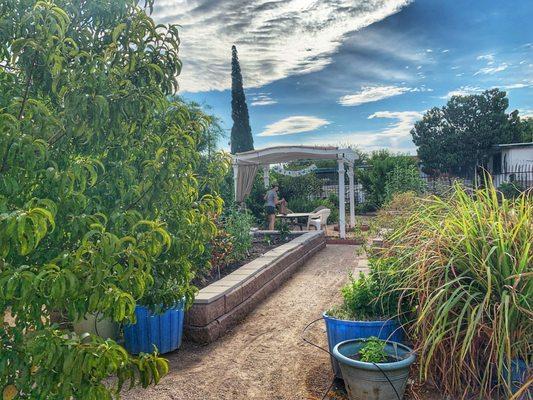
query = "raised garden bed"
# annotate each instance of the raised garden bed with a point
(221, 305)
(263, 242)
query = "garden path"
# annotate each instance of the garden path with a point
(264, 357)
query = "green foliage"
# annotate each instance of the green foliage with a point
(385, 169)
(241, 133)
(459, 136)
(308, 205)
(511, 189)
(283, 229)
(373, 351)
(465, 263)
(100, 205)
(403, 179)
(293, 188)
(370, 296)
(238, 224)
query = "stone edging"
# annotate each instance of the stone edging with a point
(221, 305)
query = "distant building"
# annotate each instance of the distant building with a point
(512, 162)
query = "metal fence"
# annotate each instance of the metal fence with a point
(521, 175)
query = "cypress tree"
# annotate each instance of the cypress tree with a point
(241, 133)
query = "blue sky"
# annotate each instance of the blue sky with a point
(350, 72)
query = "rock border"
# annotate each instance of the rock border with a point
(223, 304)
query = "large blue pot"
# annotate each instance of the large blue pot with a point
(339, 330)
(164, 331)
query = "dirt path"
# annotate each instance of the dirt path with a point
(264, 357)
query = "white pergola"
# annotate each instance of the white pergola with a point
(246, 165)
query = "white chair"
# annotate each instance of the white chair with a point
(319, 219)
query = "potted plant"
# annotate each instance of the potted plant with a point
(368, 309)
(158, 321)
(374, 369)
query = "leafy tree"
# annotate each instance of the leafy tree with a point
(99, 201)
(241, 133)
(460, 135)
(380, 167)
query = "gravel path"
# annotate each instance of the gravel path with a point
(264, 357)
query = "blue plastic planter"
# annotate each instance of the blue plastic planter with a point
(339, 330)
(164, 331)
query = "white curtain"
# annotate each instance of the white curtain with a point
(245, 181)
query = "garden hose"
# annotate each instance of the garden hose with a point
(327, 351)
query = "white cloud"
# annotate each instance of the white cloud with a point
(446, 51)
(395, 137)
(464, 91)
(401, 127)
(294, 124)
(368, 94)
(468, 90)
(275, 39)
(486, 57)
(525, 113)
(262, 99)
(492, 70)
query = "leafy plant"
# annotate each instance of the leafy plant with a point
(381, 167)
(100, 205)
(511, 189)
(465, 263)
(373, 351)
(284, 230)
(371, 296)
(238, 224)
(403, 179)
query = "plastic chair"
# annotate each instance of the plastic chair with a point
(319, 219)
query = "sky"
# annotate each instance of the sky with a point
(349, 72)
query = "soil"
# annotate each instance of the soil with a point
(259, 247)
(264, 357)
(390, 359)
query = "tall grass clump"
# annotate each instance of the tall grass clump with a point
(465, 264)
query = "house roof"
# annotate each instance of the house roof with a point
(507, 145)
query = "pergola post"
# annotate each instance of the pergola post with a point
(342, 207)
(266, 175)
(235, 173)
(352, 194)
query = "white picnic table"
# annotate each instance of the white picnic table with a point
(295, 217)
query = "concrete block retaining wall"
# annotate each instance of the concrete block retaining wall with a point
(221, 305)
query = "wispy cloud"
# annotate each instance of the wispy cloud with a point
(403, 122)
(262, 99)
(275, 38)
(369, 94)
(486, 57)
(468, 90)
(294, 124)
(492, 70)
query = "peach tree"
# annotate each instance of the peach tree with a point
(99, 200)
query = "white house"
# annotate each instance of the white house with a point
(512, 161)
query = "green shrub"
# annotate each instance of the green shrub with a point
(403, 179)
(373, 351)
(511, 190)
(465, 264)
(238, 224)
(374, 178)
(370, 296)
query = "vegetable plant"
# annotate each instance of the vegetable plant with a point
(373, 351)
(99, 201)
